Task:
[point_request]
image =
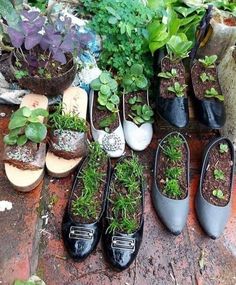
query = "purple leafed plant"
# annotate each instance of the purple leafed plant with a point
(36, 35)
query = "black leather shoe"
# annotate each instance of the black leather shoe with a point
(80, 239)
(121, 249)
(211, 113)
(213, 218)
(174, 111)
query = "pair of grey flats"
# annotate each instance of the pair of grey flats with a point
(170, 191)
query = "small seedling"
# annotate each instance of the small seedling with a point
(204, 77)
(178, 89)
(172, 153)
(19, 74)
(218, 193)
(209, 61)
(168, 74)
(175, 141)
(141, 114)
(219, 174)
(135, 99)
(173, 172)
(172, 188)
(224, 148)
(212, 93)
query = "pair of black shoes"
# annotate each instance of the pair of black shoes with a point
(81, 239)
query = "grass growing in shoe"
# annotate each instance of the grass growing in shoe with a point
(172, 167)
(87, 205)
(125, 198)
(59, 120)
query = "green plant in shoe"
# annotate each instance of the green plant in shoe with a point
(92, 177)
(25, 126)
(178, 89)
(208, 61)
(218, 193)
(172, 188)
(219, 174)
(141, 113)
(204, 77)
(212, 93)
(125, 196)
(60, 120)
(107, 91)
(168, 74)
(224, 148)
(134, 79)
(175, 141)
(173, 172)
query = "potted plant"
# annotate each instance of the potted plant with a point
(104, 114)
(82, 221)
(43, 57)
(207, 91)
(123, 223)
(172, 101)
(170, 191)
(25, 147)
(137, 113)
(213, 200)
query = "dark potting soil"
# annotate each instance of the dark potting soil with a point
(219, 161)
(167, 65)
(99, 115)
(116, 189)
(200, 87)
(128, 111)
(164, 163)
(51, 67)
(97, 198)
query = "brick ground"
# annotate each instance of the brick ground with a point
(163, 258)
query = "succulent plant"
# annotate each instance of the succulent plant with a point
(134, 79)
(107, 91)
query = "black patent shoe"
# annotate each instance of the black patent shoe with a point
(121, 248)
(81, 239)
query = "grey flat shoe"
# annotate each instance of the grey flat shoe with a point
(212, 217)
(172, 212)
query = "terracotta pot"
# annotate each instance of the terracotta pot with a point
(44, 86)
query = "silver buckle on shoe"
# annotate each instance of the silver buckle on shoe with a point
(81, 233)
(123, 243)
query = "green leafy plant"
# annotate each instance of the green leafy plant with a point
(172, 153)
(218, 193)
(168, 74)
(212, 93)
(172, 18)
(204, 77)
(224, 148)
(219, 174)
(172, 188)
(41, 4)
(178, 89)
(134, 79)
(25, 125)
(108, 121)
(19, 74)
(123, 23)
(86, 206)
(175, 141)
(208, 61)
(107, 91)
(173, 172)
(126, 203)
(141, 113)
(178, 47)
(61, 120)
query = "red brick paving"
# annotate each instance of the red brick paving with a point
(163, 258)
